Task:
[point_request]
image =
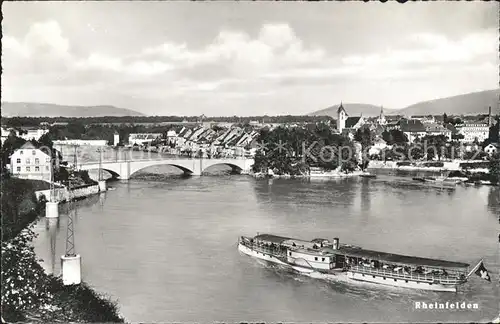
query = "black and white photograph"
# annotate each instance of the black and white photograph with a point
(250, 162)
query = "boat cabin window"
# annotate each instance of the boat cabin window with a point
(315, 258)
(323, 259)
(290, 253)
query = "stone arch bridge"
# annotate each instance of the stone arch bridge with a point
(126, 168)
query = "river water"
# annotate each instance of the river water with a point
(165, 248)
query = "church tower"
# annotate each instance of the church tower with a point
(381, 117)
(341, 118)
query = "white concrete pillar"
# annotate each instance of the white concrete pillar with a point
(102, 185)
(51, 209)
(124, 172)
(71, 269)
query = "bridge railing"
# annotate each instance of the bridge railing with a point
(160, 158)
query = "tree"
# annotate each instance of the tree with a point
(11, 144)
(494, 132)
(445, 118)
(394, 136)
(76, 128)
(365, 137)
(494, 168)
(46, 140)
(435, 145)
(457, 136)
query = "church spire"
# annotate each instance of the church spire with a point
(381, 117)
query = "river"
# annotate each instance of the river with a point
(165, 248)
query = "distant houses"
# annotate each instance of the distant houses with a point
(141, 139)
(473, 131)
(467, 130)
(26, 134)
(233, 141)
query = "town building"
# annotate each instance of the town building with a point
(423, 119)
(28, 162)
(116, 139)
(379, 145)
(80, 142)
(413, 129)
(434, 129)
(492, 148)
(473, 132)
(33, 134)
(341, 118)
(381, 118)
(355, 123)
(141, 139)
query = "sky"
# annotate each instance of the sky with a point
(246, 58)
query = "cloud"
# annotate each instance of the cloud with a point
(237, 65)
(431, 49)
(276, 46)
(42, 50)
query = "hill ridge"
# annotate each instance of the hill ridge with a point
(464, 104)
(36, 109)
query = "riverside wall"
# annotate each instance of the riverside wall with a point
(64, 194)
(447, 166)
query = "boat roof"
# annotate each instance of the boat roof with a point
(397, 258)
(369, 254)
(272, 238)
(287, 241)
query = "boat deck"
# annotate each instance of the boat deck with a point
(398, 258)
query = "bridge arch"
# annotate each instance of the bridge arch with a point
(234, 166)
(183, 168)
(114, 173)
(126, 168)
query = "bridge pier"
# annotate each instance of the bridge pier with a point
(124, 170)
(102, 185)
(71, 269)
(51, 209)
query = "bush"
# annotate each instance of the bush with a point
(22, 278)
(474, 165)
(433, 164)
(19, 205)
(30, 294)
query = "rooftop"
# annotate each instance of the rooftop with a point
(351, 121)
(412, 126)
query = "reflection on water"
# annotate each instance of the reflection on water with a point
(162, 246)
(494, 200)
(52, 227)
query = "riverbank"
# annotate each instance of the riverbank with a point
(325, 174)
(64, 194)
(460, 170)
(29, 294)
(425, 166)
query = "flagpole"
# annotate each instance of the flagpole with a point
(475, 268)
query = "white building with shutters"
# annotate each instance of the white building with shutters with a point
(28, 162)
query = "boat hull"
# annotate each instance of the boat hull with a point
(400, 282)
(347, 275)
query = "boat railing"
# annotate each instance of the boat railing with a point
(411, 276)
(264, 249)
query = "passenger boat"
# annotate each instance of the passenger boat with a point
(331, 260)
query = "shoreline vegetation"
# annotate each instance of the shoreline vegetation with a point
(319, 152)
(29, 294)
